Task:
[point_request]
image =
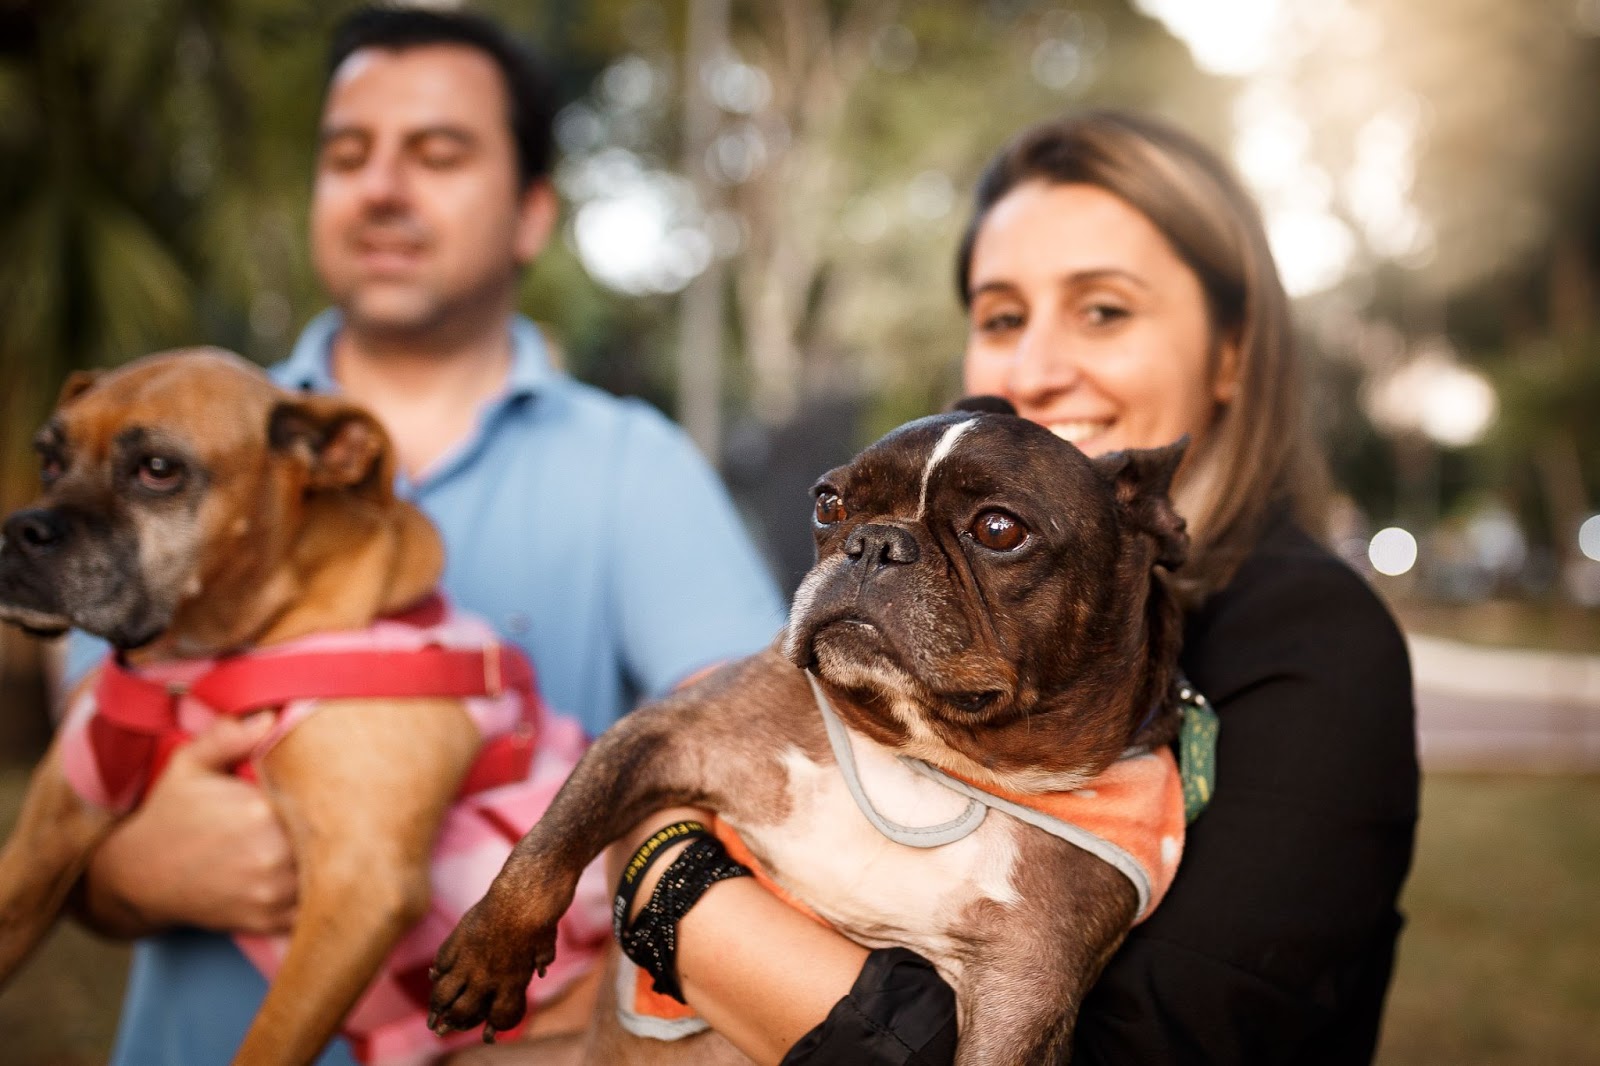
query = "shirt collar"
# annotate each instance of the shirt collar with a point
(310, 364)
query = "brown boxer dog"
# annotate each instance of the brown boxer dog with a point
(192, 509)
(986, 600)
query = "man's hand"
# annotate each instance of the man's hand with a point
(205, 849)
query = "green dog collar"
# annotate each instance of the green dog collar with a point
(1197, 750)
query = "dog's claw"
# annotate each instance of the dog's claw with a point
(488, 1034)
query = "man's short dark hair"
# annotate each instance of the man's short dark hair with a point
(529, 88)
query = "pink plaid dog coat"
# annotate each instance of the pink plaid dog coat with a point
(111, 759)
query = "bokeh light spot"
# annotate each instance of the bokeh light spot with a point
(1393, 551)
(1589, 537)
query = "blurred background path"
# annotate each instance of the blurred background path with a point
(1505, 709)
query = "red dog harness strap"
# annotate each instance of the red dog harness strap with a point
(136, 729)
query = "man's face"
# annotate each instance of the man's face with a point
(416, 217)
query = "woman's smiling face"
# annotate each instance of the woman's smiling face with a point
(1084, 317)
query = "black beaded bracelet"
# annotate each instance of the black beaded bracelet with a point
(644, 858)
(652, 940)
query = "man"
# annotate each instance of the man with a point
(586, 528)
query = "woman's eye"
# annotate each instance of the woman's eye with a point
(998, 531)
(1004, 322)
(830, 508)
(160, 473)
(1105, 314)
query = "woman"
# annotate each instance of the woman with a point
(1120, 291)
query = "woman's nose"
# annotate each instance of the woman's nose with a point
(1045, 363)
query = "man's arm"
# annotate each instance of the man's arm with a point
(686, 585)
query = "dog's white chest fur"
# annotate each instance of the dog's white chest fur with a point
(877, 891)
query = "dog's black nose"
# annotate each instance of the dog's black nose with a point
(35, 532)
(878, 545)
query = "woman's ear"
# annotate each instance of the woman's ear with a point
(1225, 378)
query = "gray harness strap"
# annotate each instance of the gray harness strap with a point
(978, 804)
(931, 836)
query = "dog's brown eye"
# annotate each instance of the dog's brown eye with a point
(160, 473)
(830, 508)
(998, 531)
(50, 468)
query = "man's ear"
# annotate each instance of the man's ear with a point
(537, 210)
(341, 445)
(1141, 478)
(78, 382)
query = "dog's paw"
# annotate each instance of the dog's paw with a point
(481, 974)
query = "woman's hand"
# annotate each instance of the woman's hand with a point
(205, 849)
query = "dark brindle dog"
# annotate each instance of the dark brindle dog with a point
(988, 603)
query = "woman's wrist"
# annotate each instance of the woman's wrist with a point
(648, 931)
(629, 844)
(725, 959)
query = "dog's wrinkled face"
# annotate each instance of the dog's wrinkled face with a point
(175, 473)
(986, 595)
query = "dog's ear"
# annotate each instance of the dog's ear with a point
(78, 382)
(1141, 478)
(985, 405)
(341, 444)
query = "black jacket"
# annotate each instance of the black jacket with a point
(1276, 941)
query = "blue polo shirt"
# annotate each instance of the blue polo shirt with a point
(588, 530)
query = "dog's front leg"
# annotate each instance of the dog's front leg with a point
(52, 841)
(685, 750)
(362, 786)
(1037, 959)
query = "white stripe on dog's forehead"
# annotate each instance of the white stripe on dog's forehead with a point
(947, 443)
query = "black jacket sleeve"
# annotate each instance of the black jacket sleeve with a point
(1276, 942)
(898, 1013)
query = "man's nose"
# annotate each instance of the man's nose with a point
(878, 544)
(1046, 362)
(383, 179)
